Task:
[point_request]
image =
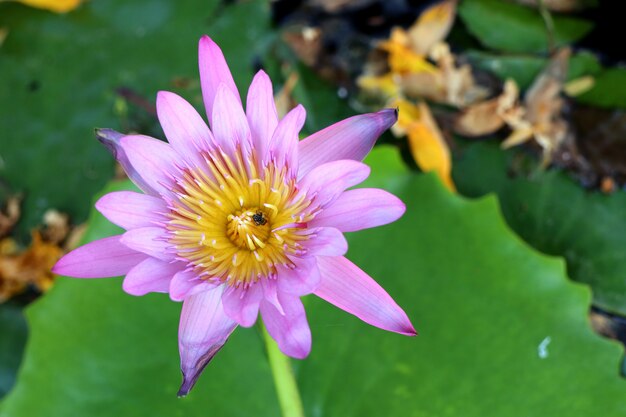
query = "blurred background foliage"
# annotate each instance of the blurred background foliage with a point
(489, 283)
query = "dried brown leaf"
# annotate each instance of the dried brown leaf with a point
(10, 215)
(31, 267)
(432, 26)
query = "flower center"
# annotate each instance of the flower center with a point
(248, 229)
(235, 223)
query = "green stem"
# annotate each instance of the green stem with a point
(284, 380)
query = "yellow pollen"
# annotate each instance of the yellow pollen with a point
(234, 222)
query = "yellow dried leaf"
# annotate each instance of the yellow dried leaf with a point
(579, 86)
(432, 26)
(19, 270)
(426, 143)
(402, 59)
(57, 6)
(384, 85)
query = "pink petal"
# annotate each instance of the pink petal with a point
(204, 328)
(261, 112)
(213, 72)
(230, 125)
(151, 275)
(326, 182)
(325, 241)
(290, 330)
(149, 240)
(242, 304)
(130, 210)
(351, 138)
(186, 283)
(270, 293)
(153, 159)
(283, 148)
(184, 128)
(302, 280)
(102, 258)
(360, 209)
(112, 140)
(349, 288)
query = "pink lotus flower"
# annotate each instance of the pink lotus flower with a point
(243, 218)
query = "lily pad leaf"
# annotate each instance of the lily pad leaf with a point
(488, 309)
(14, 330)
(609, 90)
(510, 27)
(558, 217)
(100, 66)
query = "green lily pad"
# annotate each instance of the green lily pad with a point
(609, 89)
(100, 66)
(506, 26)
(555, 215)
(502, 332)
(13, 330)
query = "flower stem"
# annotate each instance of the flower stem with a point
(284, 380)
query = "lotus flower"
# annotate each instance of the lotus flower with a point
(242, 218)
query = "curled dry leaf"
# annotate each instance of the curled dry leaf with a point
(541, 116)
(30, 267)
(488, 116)
(306, 42)
(421, 64)
(20, 270)
(432, 26)
(57, 226)
(10, 215)
(426, 143)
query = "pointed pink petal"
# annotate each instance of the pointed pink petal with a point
(326, 182)
(230, 125)
(130, 210)
(242, 305)
(184, 128)
(349, 288)
(290, 330)
(153, 159)
(351, 138)
(261, 112)
(204, 328)
(102, 258)
(186, 283)
(325, 241)
(360, 209)
(302, 280)
(213, 72)
(149, 240)
(270, 293)
(151, 275)
(283, 147)
(112, 140)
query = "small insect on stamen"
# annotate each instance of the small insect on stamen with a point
(259, 218)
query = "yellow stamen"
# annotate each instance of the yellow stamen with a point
(234, 221)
